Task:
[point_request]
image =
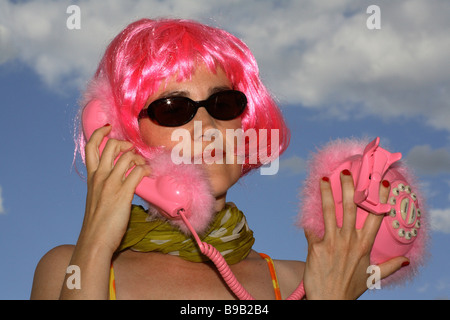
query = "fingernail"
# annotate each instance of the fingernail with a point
(326, 179)
(346, 172)
(405, 264)
(386, 183)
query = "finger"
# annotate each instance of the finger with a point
(125, 162)
(111, 153)
(389, 267)
(373, 221)
(92, 154)
(385, 189)
(348, 203)
(135, 176)
(328, 208)
(311, 237)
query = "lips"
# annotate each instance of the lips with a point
(219, 152)
(213, 156)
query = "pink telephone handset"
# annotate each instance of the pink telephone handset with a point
(402, 232)
(374, 163)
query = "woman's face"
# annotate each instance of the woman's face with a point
(202, 84)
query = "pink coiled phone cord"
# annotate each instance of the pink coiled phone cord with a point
(224, 269)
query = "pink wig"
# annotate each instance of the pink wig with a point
(147, 52)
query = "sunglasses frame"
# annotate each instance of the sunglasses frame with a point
(207, 104)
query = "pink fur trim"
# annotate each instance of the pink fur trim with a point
(196, 184)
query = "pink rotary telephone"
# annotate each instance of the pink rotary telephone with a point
(403, 232)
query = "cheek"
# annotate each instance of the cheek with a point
(156, 136)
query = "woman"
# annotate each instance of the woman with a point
(148, 65)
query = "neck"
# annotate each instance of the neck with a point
(220, 202)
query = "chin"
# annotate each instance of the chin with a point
(222, 177)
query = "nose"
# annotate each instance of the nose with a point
(206, 120)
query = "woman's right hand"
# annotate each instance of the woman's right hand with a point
(109, 190)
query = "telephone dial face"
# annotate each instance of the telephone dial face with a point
(404, 217)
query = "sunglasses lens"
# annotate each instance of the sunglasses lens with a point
(172, 112)
(227, 105)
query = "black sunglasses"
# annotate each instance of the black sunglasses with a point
(177, 111)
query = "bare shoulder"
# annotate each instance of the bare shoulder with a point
(50, 273)
(289, 274)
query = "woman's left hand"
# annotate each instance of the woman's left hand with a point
(336, 265)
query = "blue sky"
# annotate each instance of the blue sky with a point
(333, 77)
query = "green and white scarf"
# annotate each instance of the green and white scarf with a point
(228, 233)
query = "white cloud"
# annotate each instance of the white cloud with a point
(426, 160)
(325, 58)
(314, 53)
(6, 50)
(293, 165)
(2, 209)
(62, 56)
(440, 220)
